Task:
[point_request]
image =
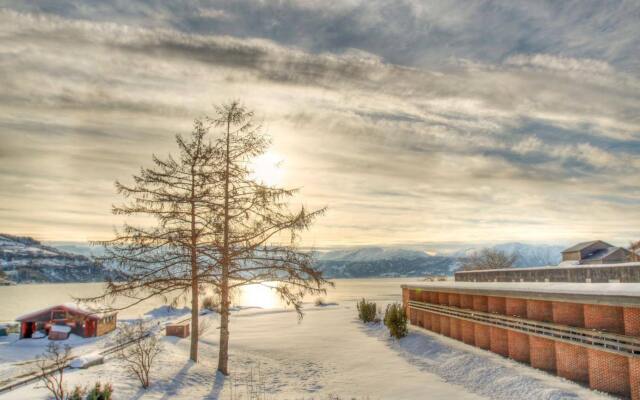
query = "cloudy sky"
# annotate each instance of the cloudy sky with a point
(413, 121)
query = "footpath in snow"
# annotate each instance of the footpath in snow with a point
(329, 354)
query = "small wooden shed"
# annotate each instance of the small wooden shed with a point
(81, 321)
(179, 330)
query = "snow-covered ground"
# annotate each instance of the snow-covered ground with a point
(329, 353)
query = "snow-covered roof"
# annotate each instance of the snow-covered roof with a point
(602, 253)
(584, 245)
(563, 265)
(70, 307)
(596, 293)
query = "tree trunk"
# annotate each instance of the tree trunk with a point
(223, 356)
(193, 352)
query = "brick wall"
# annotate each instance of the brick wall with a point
(499, 341)
(571, 314)
(518, 346)
(572, 362)
(496, 305)
(609, 372)
(455, 328)
(426, 320)
(542, 353)
(602, 370)
(480, 303)
(634, 378)
(468, 335)
(435, 323)
(604, 318)
(631, 321)
(405, 300)
(482, 337)
(413, 316)
(433, 297)
(538, 310)
(516, 307)
(419, 318)
(454, 299)
(466, 301)
(444, 325)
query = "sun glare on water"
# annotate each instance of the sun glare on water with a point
(259, 296)
(267, 169)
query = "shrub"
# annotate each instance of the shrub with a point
(367, 311)
(396, 320)
(52, 364)
(77, 393)
(139, 347)
(320, 302)
(100, 392)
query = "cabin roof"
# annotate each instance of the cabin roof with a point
(602, 253)
(584, 245)
(69, 307)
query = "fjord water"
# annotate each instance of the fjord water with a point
(20, 299)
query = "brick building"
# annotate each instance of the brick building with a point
(586, 333)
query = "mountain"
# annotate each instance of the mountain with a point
(24, 259)
(382, 262)
(529, 255)
(371, 254)
(533, 255)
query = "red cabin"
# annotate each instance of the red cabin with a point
(83, 322)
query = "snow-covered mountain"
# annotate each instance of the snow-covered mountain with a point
(24, 259)
(529, 255)
(378, 262)
(391, 261)
(371, 254)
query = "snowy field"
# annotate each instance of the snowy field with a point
(328, 355)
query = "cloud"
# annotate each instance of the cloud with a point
(403, 143)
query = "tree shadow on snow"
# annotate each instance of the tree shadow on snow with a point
(485, 374)
(172, 386)
(218, 385)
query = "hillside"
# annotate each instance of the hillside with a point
(396, 262)
(24, 260)
(382, 262)
(529, 255)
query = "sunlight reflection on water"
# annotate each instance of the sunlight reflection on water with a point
(20, 299)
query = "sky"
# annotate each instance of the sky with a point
(414, 122)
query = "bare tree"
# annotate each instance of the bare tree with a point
(165, 259)
(256, 233)
(634, 248)
(138, 349)
(488, 259)
(52, 364)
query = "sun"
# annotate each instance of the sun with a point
(267, 169)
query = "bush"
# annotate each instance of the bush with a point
(100, 392)
(396, 320)
(77, 393)
(139, 347)
(320, 302)
(367, 311)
